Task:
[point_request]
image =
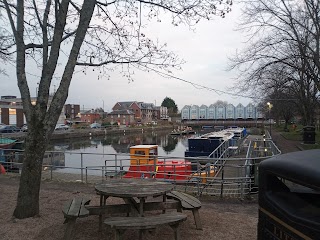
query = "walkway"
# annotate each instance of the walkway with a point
(284, 144)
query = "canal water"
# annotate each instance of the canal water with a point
(100, 151)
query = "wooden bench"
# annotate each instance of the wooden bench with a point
(188, 202)
(121, 224)
(72, 210)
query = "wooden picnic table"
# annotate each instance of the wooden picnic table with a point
(129, 188)
(134, 192)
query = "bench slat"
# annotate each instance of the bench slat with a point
(187, 201)
(66, 207)
(84, 212)
(76, 208)
(148, 222)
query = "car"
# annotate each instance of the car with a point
(95, 125)
(61, 127)
(9, 129)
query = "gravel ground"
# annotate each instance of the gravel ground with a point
(221, 219)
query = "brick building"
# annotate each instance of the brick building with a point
(143, 112)
(90, 116)
(122, 117)
(72, 111)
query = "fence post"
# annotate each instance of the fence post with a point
(81, 167)
(198, 178)
(222, 180)
(154, 166)
(86, 175)
(116, 166)
(241, 190)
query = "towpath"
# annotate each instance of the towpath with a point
(284, 144)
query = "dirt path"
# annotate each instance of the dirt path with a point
(221, 219)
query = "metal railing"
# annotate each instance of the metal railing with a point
(234, 176)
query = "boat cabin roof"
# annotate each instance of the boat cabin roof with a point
(144, 146)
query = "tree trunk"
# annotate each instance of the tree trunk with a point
(28, 195)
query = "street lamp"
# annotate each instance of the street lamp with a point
(269, 109)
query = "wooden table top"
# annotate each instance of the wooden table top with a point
(128, 188)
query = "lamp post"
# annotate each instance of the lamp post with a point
(269, 110)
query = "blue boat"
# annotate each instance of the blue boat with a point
(204, 145)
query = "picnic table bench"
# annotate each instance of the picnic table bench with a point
(188, 202)
(72, 210)
(121, 224)
(134, 193)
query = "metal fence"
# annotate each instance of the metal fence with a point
(236, 172)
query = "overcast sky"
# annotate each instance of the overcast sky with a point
(205, 51)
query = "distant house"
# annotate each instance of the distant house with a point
(163, 113)
(185, 112)
(122, 117)
(221, 111)
(212, 111)
(230, 111)
(90, 116)
(143, 112)
(149, 112)
(203, 112)
(133, 106)
(194, 112)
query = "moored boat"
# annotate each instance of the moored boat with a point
(183, 131)
(7, 150)
(6, 143)
(204, 145)
(144, 163)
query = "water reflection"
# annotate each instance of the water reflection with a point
(100, 151)
(121, 143)
(171, 144)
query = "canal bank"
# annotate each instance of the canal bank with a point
(79, 133)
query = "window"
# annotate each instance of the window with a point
(139, 152)
(153, 152)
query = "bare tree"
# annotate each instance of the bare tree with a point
(282, 50)
(85, 33)
(5, 44)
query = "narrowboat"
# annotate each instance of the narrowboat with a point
(204, 145)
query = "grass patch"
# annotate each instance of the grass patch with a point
(297, 135)
(294, 135)
(310, 146)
